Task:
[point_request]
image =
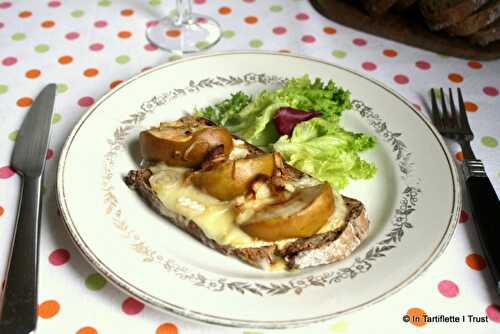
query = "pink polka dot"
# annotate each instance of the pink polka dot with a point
(6, 172)
(249, 1)
(100, 24)
(9, 61)
(419, 108)
(131, 306)
(401, 79)
(302, 16)
(359, 42)
(54, 4)
(199, 2)
(490, 91)
(150, 47)
(146, 68)
(96, 47)
(279, 30)
(49, 155)
(5, 4)
(423, 65)
(85, 101)
(59, 257)
(448, 288)
(493, 312)
(308, 39)
(151, 23)
(369, 66)
(72, 35)
(464, 216)
(201, 20)
(2, 25)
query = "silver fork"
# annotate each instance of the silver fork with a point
(485, 203)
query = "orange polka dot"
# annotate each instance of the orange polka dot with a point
(48, 309)
(471, 106)
(86, 330)
(455, 77)
(390, 53)
(2, 210)
(284, 51)
(24, 14)
(124, 34)
(459, 155)
(173, 33)
(48, 24)
(251, 19)
(32, 74)
(329, 30)
(90, 72)
(24, 102)
(115, 83)
(475, 65)
(167, 328)
(65, 60)
(416, 316)
(475, 261)
(127, 12)
(224, 10)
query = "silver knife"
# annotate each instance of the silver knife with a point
(19, 311)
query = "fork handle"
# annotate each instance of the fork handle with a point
(486, 210)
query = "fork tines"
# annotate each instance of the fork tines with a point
(450, 122)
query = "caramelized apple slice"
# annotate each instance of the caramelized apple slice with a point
(184, 143)
(301, 215)
(232, 178)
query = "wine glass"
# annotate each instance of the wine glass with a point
(184, 32)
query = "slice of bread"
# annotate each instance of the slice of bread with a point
(378, 7)
(441, 14)
(477, 21)
(403, 4)
(487, 35)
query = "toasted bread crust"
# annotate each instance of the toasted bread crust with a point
(477, 21)
(442, 14)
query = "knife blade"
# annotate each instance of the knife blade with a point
(19, 309)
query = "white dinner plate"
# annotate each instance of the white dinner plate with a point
(413, 202)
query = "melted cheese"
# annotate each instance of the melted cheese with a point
(216, 218)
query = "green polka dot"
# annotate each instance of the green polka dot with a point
(3, 89)
(338, 327)
(154, 2)
(275, 8)
(18, 36)
(173, 12)
(56, 118)
(339, 54)
(41, 48)
(61, 88)
(77, 13)
(104, 3)
(13, 135)
(228, 34)
(202, 45)
(437, 92)
(123, 59)
(174, 57)
(489, 141)
(255, 43)
(95, 282)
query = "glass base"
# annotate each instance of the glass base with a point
(199, 33)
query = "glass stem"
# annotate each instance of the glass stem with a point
(184, 12)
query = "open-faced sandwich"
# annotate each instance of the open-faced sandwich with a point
(248, 202)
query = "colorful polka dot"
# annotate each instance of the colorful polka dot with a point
(72, 35)
(3, 89)
(369, 66)
(174, 58)
(224, 10)
(33, 74)
(251, 20)
(475, 261)
(448, 288)
(25, 14)
(416, 315)
(2, 211)
(339, 54)
(459, 156)
(48, 309)
(308, 39)
(130, 306)
(173, 33)
(150, 47)
(493, 312)
(59, 257)
(54, 4)
(85, 101)
(123, 59)
(401, 79)
(41, 48)
(359, 42)
(167, 328)
(61, 88)
(423, 65)
(48, 24)
(302, 16)
(18, 36)
(100, 24)
(77, 13)
(96, 46)
(91, 72)
(455, 77)
(339, 326)
(24, 101)
(127, 12)
(64, 60)
(86, 330)
(489, 141)
(6, 172)
(228, 34)
(124, 34)
(9, 61)
(470, 106)
(95, 282)
(56, 118)
(5, 4)
(329, 30)
(154, 2)
(276, 8)
(490, 91)
(115, 83)
(199, 2)
(255, 43)
(13, 135)
(464, 216)
(49, 154)
(104, 3)
(475, 65)
(279, 30)
(202, 45)
(390, 53)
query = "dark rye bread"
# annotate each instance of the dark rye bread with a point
(378, 7)
(441, 14)
(477, 21)
(301, 253)
(487, 35)
(403, 4)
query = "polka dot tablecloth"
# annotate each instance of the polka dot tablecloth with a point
(89, 47)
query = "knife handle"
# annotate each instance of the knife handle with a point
(486, 211)
(19, 311)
